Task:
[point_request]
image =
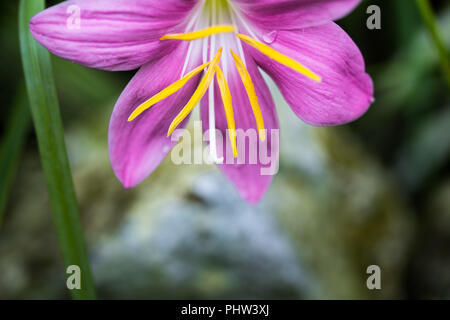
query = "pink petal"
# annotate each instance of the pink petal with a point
(346, 90)
(136, 148)
(111, 34)
(294, 14)
(251, 180)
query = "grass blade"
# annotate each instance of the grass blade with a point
(49, 130)
(430, 22)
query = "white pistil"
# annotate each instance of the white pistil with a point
(211, 105)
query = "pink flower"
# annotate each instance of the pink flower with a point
(316, 65)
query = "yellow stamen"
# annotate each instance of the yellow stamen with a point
(174, 87)
(198, 94)
(199, 34)
(279, 57)
(250, 88)
(228, 106)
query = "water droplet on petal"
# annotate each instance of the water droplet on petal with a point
(270, 37)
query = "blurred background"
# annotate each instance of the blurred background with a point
(373, 192)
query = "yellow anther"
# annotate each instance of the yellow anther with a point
(198, 94)
(174, 87)
(279, 57)
(228, 106)
(199, 34)
(250, 88)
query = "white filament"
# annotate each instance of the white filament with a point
(192, 25)
(238, 14)
(239, 44)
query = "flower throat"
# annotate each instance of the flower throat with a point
(219, 18)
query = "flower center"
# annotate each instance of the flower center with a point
(228, 17)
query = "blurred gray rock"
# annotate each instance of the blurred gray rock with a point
(201, 246)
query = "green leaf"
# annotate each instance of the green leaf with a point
(49, 130)
(430, 22)
(12, 146)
